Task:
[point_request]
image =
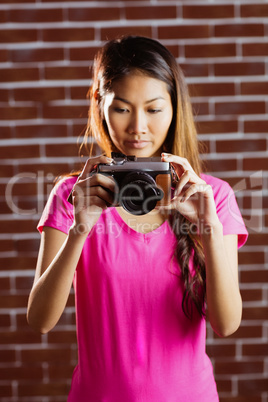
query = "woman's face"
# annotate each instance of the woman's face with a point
(138, 114)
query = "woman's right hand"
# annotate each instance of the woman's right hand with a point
(92, 193)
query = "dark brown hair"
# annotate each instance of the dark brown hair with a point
(117, 59)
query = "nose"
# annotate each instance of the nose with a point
(137, 123)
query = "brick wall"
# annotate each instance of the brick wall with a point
(46, 48)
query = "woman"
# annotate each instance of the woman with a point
(141, 281)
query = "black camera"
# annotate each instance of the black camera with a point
(143, 183)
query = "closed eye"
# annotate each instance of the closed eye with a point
(120, 110)
(154, 111)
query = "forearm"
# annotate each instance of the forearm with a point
(51, 291)
(222, 289)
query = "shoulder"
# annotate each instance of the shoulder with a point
(64, 185)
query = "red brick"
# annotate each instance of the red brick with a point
(13, 301)
(256, 239)
(212, 89)
(217, 351)
(251, 295)
(94, 14)
(39, 94)
(18, 35)
(256, 349)
(221, 165)
(8, 355)
(247, 257)
(183, 32)
(68, 34)
(255, 49)
(241, 367)
(65, 112)
(6, 391)
(19, 74)
(66, 73)
(55, 355)
(241, 398)
(25, 246)
(54, 169)
(25, 282)
(79, 92)
(42, 130)
(5, 322)
(18, 113)
(41, 389)
(241, 145)
(6, 245)
(255, 313)
(239, 69)
(254, 276)
(26, 55)
(253, 386)
(3, 16)
(57, 372)
(256, 10)
(5, 133)
(4, 95)
(111, 33)
(255, 164)
(207, 12)
(83, 53)
(217, 126)
(62, 337)
(200, 108)
(15, 263)
(210, 50)
(62, 150)
(35, 15)
(151, 12)
(254, 88)
(195, 69)
(239, 30)
(238, 108)
(24, 151)
(3, 55)
(224, 386)
(256, 126)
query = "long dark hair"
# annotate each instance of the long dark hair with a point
(115, 60)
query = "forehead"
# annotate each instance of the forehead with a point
(138, 82)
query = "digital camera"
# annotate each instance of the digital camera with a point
(143, 183)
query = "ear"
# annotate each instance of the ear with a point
(96, 95)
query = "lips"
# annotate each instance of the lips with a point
(137, 144)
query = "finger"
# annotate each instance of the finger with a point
(99, 192)
(90, 163)
(95, 201)
(100, 179)
(180, 164)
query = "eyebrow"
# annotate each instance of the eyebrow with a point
(148, 101)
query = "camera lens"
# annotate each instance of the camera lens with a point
(139, 193)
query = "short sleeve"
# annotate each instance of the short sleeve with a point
(227, 209)
(58, 212)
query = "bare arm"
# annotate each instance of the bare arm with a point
(224, 301)
(57, 261)
(59, 253)
(194, 199)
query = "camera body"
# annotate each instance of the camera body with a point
(143, 183)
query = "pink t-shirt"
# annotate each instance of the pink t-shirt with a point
(134, 342)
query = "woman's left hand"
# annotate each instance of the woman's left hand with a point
(193, 197)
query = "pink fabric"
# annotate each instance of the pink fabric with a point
(135, 343)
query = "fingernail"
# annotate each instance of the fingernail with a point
(165, 155)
